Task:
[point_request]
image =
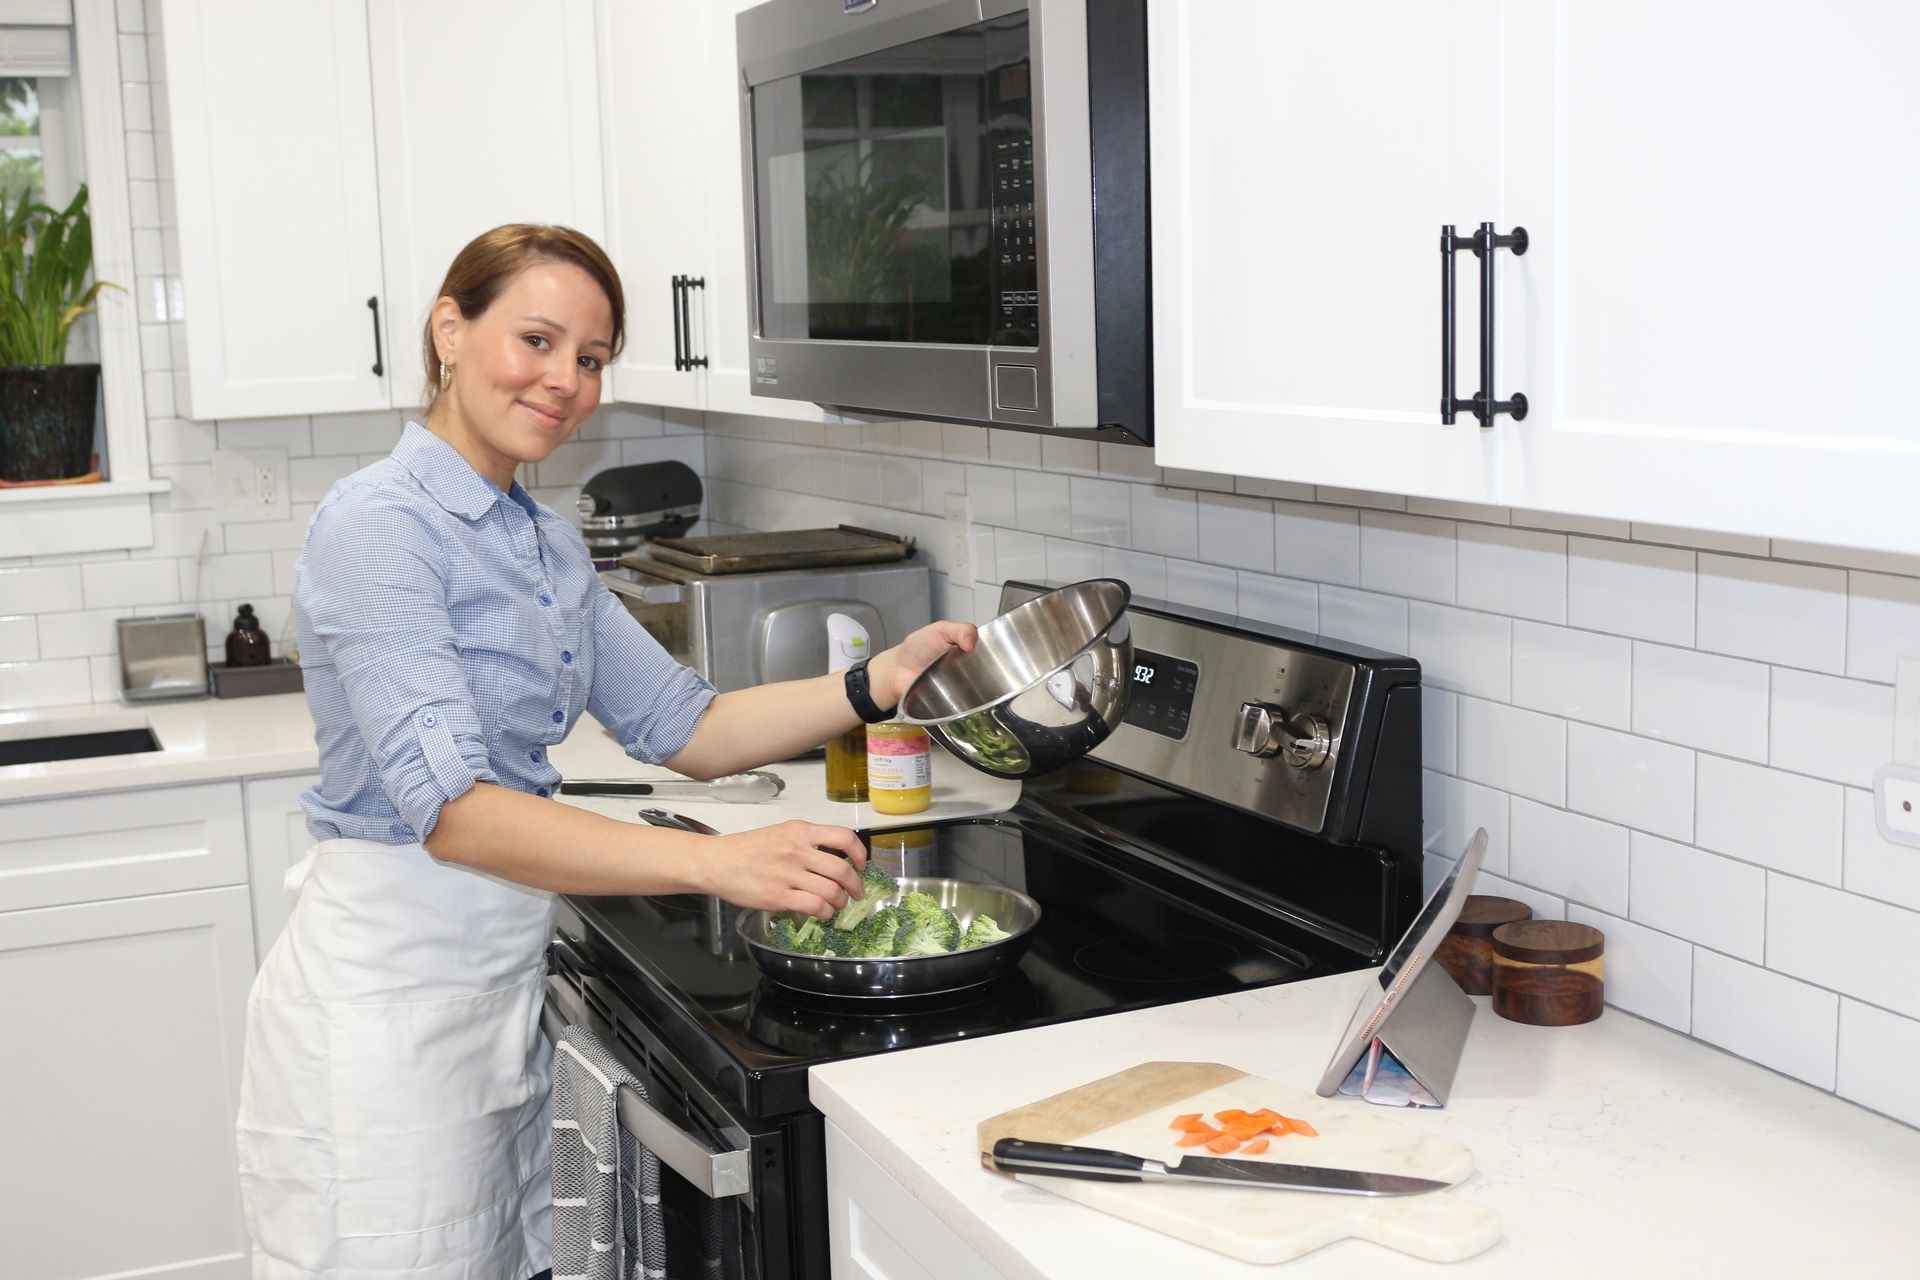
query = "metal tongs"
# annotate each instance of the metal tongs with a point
(752, 787)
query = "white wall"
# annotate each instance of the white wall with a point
(1668, 735)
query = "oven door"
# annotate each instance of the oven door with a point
(726, 1187)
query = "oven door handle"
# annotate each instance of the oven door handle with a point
(715, 1174)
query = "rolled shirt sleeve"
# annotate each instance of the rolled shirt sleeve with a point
(651, 703)
(372, 586)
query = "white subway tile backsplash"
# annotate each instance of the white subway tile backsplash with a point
(1877, 1053)
(1018, 554)
(1454, 809)
(1883, 624)
(1649, 973)
(1450, 510)
(310, 478)
(1321, 543)
(1284, 489)
(1581, 675)
(1362, 617)
(1636, 781)
(962, 443)
(1145, 574)
(1700, 700)
(1699, 896)
(1778, 820)
(1522, 752)
(1461, 650)
(1166, 521)
(1738, 544)
(1830, 727)
(1359, 498)
(111, 584)
(1043, 501)
(1285, 602)
(991, 495)
(1012, 448)
(1591, 526)
(1577, 858)
(937, 480)
(1236, 531)
(1439, 728)
(1060, 454)
(83, 634)
(177, 440)
(188, 533)
(1844, 942)
(1128, 462)
(1631, 590)
(47, 683)
(1871, 865)
(1794, 615)
(1203, 586)
(295, 435)
(985, 563)
(20, 639)
(1766, 1017)
(1070, 561)
(40, 590)
(1848, 557)
(237, 577)
(1200, 481)
(1543, 905)
(1519, 572)
(1102, 510)
(1407, 555)
(922, 438)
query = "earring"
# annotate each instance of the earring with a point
(446, 375)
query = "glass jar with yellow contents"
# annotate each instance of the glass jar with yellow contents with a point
(899, 768)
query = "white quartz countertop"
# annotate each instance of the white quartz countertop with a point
(1613, 1149)
(213, 739)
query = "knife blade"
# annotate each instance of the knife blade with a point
(751, 787)
(1017, 1155)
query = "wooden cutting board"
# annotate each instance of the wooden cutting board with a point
(1130, 1112)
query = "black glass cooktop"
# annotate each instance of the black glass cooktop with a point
(1121, 928)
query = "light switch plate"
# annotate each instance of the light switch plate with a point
(959, 548)
(1906, 711)
(1896, 803)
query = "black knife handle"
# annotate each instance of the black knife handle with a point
(1017, 1155)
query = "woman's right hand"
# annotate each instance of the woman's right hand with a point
(789, 867)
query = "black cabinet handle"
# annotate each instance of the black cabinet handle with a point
(679, 347)
(1484, 407)
(687, 285)
(379, 369)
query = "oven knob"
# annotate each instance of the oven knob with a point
(1262, 729)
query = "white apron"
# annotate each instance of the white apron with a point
(394, 1100)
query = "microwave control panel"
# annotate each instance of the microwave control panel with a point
(1016, 260)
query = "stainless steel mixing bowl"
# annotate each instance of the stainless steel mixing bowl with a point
(1047, 683)
(906, 975)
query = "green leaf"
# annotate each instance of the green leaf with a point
(45, 255)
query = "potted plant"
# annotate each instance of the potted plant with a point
(46, 405)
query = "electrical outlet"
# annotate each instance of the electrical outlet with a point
(1896, 803)
(250, 484)
(959, 546)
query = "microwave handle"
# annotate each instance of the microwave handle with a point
(715, 1174)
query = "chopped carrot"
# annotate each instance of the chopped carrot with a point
(1267, 1115)
(1223, 1144)
(1230, 1116)
(1186, 1121)
(1257, 1147)
(1302, 1128)
(1195, 1139)
(1250, 1127)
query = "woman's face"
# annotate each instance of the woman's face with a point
(526, 371)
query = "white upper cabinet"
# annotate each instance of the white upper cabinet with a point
(1715, 319)
(1305, 156)
(272, 130)
(485, 112)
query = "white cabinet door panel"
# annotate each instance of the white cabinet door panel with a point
(277, 838)
(1304, 159)
(119, 844)
(124, 1022)
(487, 112)
(878, 1231)
(1714, 321)
(272, 133)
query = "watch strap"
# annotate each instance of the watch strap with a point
(860, 694)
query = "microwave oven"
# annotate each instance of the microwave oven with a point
(946, 210)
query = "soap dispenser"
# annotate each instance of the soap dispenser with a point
(247, 644)
(847, 643)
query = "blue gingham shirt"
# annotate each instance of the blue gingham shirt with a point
(449, 634)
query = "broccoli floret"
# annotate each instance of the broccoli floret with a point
(982, 931)
(803, 934)
(878, 887)
(931, 933)
(916, 906)
(840, 941)
(874, 938)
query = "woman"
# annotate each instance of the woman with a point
(451, 629)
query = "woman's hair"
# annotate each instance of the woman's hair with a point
(490, 262)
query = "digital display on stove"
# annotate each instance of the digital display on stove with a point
(1162, 693)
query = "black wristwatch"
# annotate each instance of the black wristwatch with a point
(860, 694)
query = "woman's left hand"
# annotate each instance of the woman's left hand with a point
(897, 668)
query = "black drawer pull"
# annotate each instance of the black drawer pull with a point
(379, 369)
(1482, 404)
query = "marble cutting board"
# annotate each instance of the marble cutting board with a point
(1130, 1111)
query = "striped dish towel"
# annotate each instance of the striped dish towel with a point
(606, 1186)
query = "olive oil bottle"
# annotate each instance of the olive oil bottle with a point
(847, 643)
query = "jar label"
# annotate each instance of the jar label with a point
(889, 772)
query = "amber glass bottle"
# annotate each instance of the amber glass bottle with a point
(847, 767)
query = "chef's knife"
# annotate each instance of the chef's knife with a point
(1017, 1155)
(751, 787)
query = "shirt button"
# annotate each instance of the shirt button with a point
(429, 720)
(559, 717)
(566, 656)
(534, 756)
(545, 598)
(543, 792)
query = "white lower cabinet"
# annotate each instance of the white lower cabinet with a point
(119, 1085)
(121, 844)
(276, 839)
(878, 1231)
